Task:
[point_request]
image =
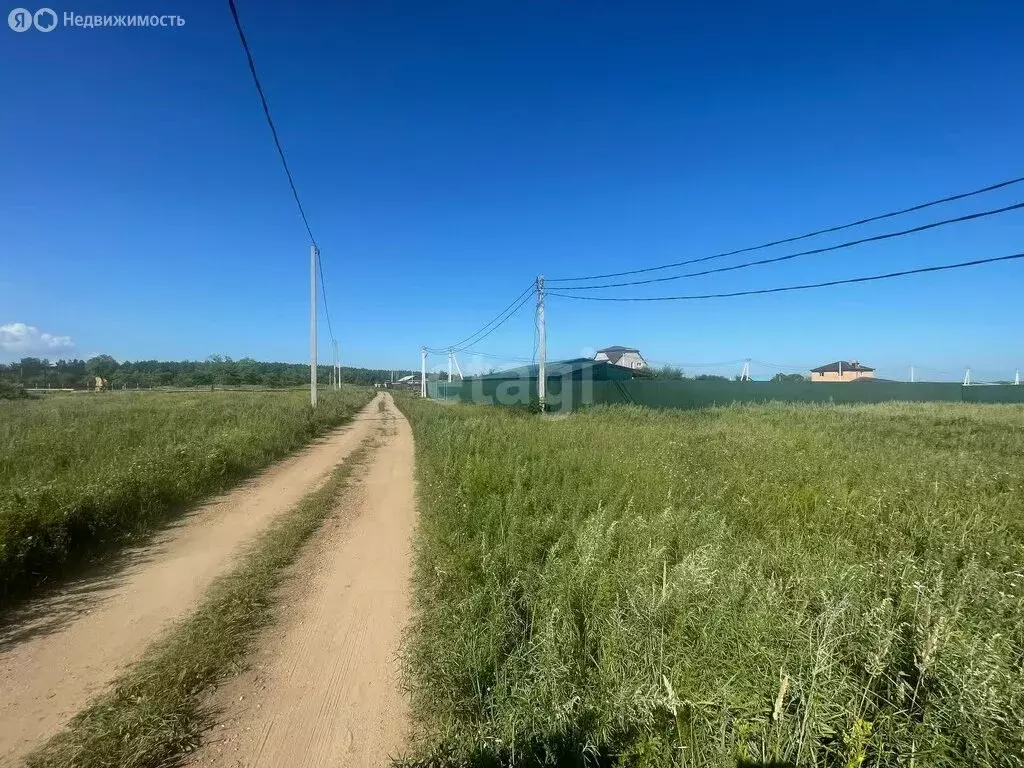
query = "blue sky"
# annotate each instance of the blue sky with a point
(449, 152)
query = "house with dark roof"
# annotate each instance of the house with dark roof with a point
(624, 357)
(842, 371)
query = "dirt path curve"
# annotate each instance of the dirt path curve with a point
(323, 689)
(58, 652)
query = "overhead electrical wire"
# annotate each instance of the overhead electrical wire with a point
(677, 364)
(795, 238)
(280, 152)
(802, 287)
(776, 366)
(323, 292)
(469, 347)
(788, 256)
(506, 358)
(500, 319)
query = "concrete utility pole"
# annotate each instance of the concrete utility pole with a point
(450, 356)
(337, 367)
(967, 377)
(423, 372)
(1016, 379)
(458, 369)
(911, 374)
(745, 374)
(312, 325)
(542, 343)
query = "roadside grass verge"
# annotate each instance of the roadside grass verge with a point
(10, 391)
(785, 585)
(154, 713)
(84, 474)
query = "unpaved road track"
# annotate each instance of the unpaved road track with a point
(58, 652)
(323, 688)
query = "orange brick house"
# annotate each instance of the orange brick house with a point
(842, 370)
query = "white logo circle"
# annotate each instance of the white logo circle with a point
(20, 20)
(41, 19)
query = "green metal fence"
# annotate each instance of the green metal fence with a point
(565, 394)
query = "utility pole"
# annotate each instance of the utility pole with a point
(450, 356)
(745, 375)
(1016, 379)
(337, 367)
(312, 325)
(542, 343)
(967, 378)
(911, 374)
(423, 372)
(458, 369)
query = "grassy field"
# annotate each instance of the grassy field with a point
(765, 585)
(80, 473)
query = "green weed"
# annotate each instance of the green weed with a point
(83, 473)
(753, 585)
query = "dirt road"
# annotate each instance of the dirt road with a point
(59, 651)
(323, 688)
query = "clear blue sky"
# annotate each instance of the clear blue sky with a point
(449, 152)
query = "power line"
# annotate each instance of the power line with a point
(522, 303)
(323, 292)
(270, 121)
(787, 257)
(802, 287)
(470, 340)
(284, 161)
(505, 358)
(868, 220)
(675, 364)
(777, 367)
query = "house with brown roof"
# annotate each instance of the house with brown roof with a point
(841, 371)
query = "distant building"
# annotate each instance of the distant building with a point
(842, 371)
(411, 381)
(624, 357)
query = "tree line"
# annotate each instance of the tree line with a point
(674, 372)
(41, 373)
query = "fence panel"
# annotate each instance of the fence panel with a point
(567, 394)
(996, 393)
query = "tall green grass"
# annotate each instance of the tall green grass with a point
(760, 585)
(82, 473)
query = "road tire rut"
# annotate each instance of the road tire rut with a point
(323, 688)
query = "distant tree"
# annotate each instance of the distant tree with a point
(668, 372)
(103, 366)
(710, 377)
(789, 377)
(217, 370)
(31, 369)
